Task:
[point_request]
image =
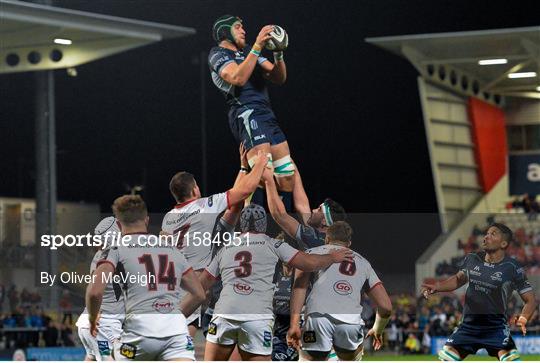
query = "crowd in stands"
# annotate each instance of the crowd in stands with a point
(416, 320)
(26, 324)
(525, 248)
(528, 203)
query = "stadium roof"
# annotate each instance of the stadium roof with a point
(33, 37)
(515, 50)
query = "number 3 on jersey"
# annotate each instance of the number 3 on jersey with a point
(244, 270)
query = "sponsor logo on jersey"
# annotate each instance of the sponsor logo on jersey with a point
(259, 137)
(254, 125)
(242, 289)
(103, 347)
(212, 329)
(267, 339)
(128, 350)
(210, 200)
(277, 244)
(163, 306)
(342, 287)
(475, 271)
(487, 264)
(309, 337)
(497, 276)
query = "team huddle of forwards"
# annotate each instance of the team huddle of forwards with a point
(227, 289)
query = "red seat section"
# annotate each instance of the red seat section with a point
(489, 136)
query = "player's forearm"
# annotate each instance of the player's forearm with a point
(298, 298)
(448, 285)
(278, 75)
(247, 184)
(529, 307)
(300, 198)
(528, 310)
(275, 204)
(190, 303)
(315, 262)
(93, 302)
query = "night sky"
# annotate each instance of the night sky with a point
(350, 110)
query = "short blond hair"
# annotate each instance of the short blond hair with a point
(129, 209)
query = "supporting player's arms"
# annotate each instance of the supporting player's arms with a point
(190, 283)
(300, 198)
(245, 185)
(94, 294)
(307, 262)
(379, 295)
(275, 72)
(238, 74)
(277, 209)
(298, 298)
(207, 280)
(450, 284)
(527, 311)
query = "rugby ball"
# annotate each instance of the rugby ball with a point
(279, 39)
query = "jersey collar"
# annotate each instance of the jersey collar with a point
(183, 204)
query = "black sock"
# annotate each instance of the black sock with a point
(287, 199)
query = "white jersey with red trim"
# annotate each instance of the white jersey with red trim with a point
(193, 223)
(112, 304)
(337, 289)
(151, 276)
(247, 272)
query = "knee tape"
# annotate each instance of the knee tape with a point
(447, 355)
(253, 160)
(510, 356)
(284, 167)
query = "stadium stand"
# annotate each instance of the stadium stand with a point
(525, 248)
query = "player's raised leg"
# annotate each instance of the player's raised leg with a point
(283, 166)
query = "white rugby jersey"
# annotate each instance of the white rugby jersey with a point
(152, 309)
(337, 290)
(112, 305)
(191, 222)
(247, 273)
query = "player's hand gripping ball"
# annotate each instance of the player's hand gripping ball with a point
(279, 40)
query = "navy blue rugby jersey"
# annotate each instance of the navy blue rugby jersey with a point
(490, 288)
(254, 93)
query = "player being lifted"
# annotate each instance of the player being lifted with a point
(492, 278)
(154, 328)
(112, 306)
(240, 73)
(333, 307)
(193, 219)
(243, 314)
